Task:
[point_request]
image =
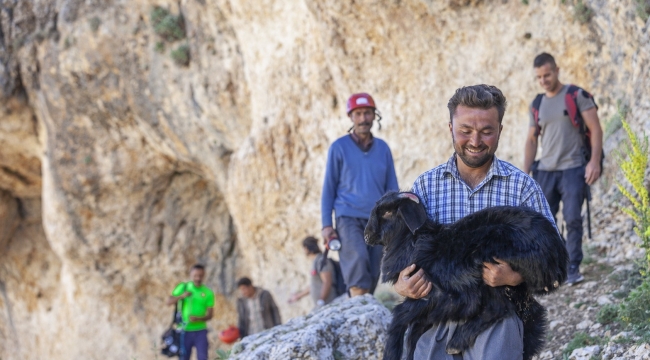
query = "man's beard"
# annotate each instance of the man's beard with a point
(471, 161)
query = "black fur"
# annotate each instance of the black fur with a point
(452, 256)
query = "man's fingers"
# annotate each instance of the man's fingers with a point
(425, 290)
(405, 273)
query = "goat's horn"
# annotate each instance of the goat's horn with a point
(410, 196)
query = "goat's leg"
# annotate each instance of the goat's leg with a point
(395, 343)
(417, 330)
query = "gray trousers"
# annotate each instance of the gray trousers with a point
(503, 341)
(360, 263)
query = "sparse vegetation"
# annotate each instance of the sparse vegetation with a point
(643, 9)
(580, 340)
(222, 354)
(616, 121)
(634, 169)
(181, 55)
(168, 26)
(582, 12)
(160, 47)
(94, 23)
(635, 309)
(607, 314)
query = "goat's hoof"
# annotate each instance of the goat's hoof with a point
(452, 351)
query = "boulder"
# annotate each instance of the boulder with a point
(353, 328)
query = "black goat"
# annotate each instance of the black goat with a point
(452, 257)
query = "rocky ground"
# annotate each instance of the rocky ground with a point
(611, 271)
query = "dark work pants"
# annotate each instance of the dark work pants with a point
(360, 263)
(199, 340)
(569, 187)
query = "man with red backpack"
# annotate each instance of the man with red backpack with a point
(565, 119)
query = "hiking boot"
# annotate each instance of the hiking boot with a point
(574, 278)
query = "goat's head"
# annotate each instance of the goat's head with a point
(391, 213)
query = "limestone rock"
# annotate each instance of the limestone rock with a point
(585, 353)
(355, 328)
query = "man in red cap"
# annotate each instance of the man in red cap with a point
(359, 171)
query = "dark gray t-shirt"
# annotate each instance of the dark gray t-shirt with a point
(316, 283)
(561, 141)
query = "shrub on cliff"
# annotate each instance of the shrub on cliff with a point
(168, 26)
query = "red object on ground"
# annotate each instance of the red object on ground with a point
(230, 335)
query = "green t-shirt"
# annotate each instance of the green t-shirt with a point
(197, 304)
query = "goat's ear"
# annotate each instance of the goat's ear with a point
(413, 214)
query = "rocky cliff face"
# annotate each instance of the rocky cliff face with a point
(138, 137)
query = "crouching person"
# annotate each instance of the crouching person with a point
(322, 287)
(256, 309)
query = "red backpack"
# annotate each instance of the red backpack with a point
(571, 102)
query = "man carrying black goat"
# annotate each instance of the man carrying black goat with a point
(471, 180)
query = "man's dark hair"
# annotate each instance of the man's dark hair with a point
(244, 282)
(543, 59)
(311, 244)
(198, 267)
(478, 96)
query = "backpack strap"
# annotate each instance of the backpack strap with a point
(571, 102)
(535, 109)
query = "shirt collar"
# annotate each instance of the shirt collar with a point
(357, 141)
(496, 169)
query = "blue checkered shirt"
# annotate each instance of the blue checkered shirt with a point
(448, 198)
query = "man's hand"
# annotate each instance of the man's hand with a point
(294, 297)
(328, 233)
(592, 171)
(414, 287)
(500, 274)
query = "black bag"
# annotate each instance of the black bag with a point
(337, 276)
(171, 341)
(173, 336)
(340, 286)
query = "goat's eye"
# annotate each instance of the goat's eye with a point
(388, 215)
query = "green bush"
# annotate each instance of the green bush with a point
(169, 27)
(181, 55)
(607, 314)
(635, 310)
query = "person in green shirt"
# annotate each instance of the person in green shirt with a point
(197, 308)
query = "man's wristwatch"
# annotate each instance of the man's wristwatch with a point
(320, 302)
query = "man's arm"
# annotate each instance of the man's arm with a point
(242, 319)
(593, 170)
(299, 295)
(174, 299)
(275, 313)
(330, 186)
(530, 149)
(207, 316)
